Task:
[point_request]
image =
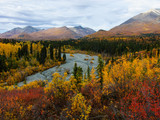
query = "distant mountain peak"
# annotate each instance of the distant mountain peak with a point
(156, 11)
(18, 30)
(153, 15)
(147, 22)
(80, 27)
(82, 31)
(64, 32)
(28, 27)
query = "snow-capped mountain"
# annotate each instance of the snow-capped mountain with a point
(152, 15)
(147, 22)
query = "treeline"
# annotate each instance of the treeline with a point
(114, 47)
(25, 51)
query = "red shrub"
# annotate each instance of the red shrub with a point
(12, 103)
(142, 104)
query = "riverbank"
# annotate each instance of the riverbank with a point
(21, 74)
(82, 60)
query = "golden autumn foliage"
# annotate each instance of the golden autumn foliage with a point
(130, 91)
(71, 55)
(78, 109)
(123, 74)
(18, 67)
(9, 48)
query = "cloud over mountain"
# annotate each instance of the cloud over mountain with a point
(96, 14)
(147, 22)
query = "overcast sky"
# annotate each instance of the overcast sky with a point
(96, 14)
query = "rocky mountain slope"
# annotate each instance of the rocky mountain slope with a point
(18, 30)
(147, 22)
(55, 33)
(83, 31)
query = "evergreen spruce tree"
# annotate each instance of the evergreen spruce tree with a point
(51, 52)
(63, 49)
(43, 55)
(10, 55)
(59, 53)
(19, 53)
(112, 60)
(88, 74)
(100, 68)
(78, 75)
(150, 55)
(25, 50)
(64, 57)
(37, 57)
(56, 54)
(75, 71)
(3, 66)
(31, 49)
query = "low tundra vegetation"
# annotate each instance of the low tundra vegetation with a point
(127, 87)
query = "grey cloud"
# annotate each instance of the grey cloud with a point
(26, 13)
(82, 7)
(26, 20)
(97, 14)
(9, 17)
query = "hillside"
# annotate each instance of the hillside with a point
(18, 30)
(55, 33)
(147, 22)
(101, 34)
(83, 31)
(31, 33)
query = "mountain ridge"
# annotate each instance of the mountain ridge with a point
(48, 34)
(147, 22)
(18, 30)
